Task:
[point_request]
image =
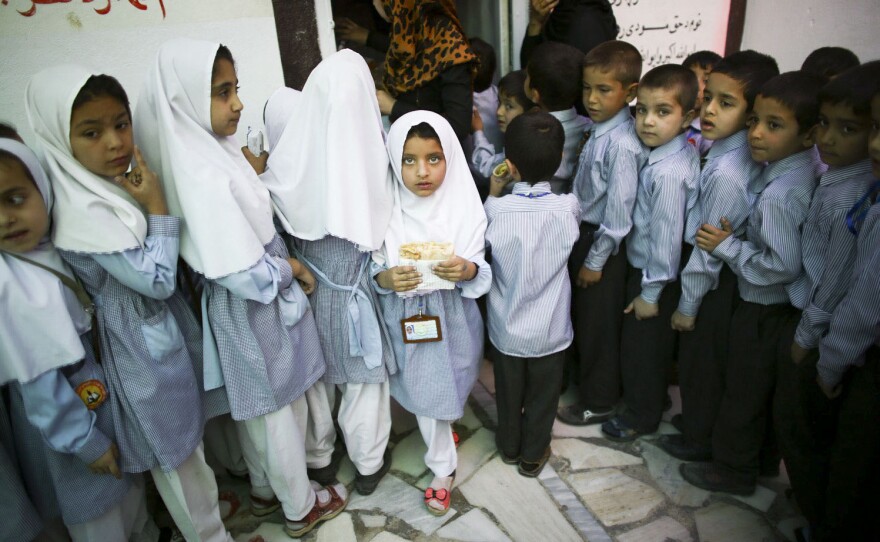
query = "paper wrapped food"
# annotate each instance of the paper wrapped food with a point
(424, 256)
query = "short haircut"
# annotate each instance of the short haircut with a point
(486, 64)
(830, 61)
(676, 78)
(854, 87)
(799, 92)
(533, 143)
(751, 69)
(619, 57)
(8, 131)
(223, 53)
(422, 130)
(101, 86)
(702, 59)
(513, 85)
(555, 72)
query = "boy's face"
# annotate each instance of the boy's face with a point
(100, 136)
(508, 109)
(423, 166)
(774, 131)
(659, 116)
(701, 73)
(225, 105)
(724, 107)
(24, 220)
(842, 136)
(604, 95)
(874, 146)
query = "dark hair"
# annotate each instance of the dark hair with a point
(702, 59)
(100, 86)
(223, 53)
(533, 143)
(751, 69)
(855, 87)
(8, 131)
(9, 158)
(799, 92)
(830, 61)
(619, 57)
(676, 78)
(485, 65)
(554, 70)
(513, 85)
(422, 130)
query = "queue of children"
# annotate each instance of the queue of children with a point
(743, 245)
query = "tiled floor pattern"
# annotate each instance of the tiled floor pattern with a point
(592, 489)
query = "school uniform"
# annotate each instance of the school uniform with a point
(606, 183)
(485, 155)
(768, 260)
(23, 520)
(486, 103)
(573, 126)
(531, 233)
(654, 248)
(709, 286)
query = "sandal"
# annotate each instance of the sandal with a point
(234, 503)
(455, 438)
(319, 512)
(440, 496)
(263, 507)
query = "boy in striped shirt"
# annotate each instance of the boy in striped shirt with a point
(531, 233)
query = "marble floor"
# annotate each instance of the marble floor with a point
(591, 489)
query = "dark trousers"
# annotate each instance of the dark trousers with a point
(702, 356)
(831, 450)
(597, 315)
(527, 394)
(646, 351)
(757, 336)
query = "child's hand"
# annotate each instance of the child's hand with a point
(829, 392)
(143, 185)
(643, 309)
(346, 29)
(456, 269)
(497, 184)
(709, 237)
(302, 274)
(256, 162)
(401, 278)
(386, 101)
(106, 464)
(539, 10)
(681, 322)
(476, 121)
(587, 277)
(798, 352)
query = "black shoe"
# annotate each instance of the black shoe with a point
(326, 476)
(619, 431)
(507, 459)
(367, 484)
(679, 448)
(531, 469)
(678, 423)
(578, 415)
(712, 477)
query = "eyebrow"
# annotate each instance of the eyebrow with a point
(89, 122)
(225, 84)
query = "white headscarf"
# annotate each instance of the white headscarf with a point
(279, 108)
(41, 319)
(226, 211)
(329, 172)
(452, 213)
(92, 214)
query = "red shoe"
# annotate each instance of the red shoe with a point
(439, 496)
(234, 504)
(455, 438)
(319, 512)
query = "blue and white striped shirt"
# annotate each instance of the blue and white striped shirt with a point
(485, 158)
(531, 233)
(574, 126)
(654, 244)
(724, 192)
(828, 250)
(606, 183)
(855, 324)
(770, 257)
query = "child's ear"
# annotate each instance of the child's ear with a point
(688, 118)
(534, 95)
(808, 138)
(514, 173)
(631, 92)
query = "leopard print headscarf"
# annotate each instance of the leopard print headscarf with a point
(426, 39)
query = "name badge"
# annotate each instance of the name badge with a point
(92, 393)
(421, 328)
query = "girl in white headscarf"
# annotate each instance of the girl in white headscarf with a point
(260, 335)
(435, 200)
(57, 391)
(329, 179)
(113, 229)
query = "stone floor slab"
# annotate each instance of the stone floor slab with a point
(520, 504)
(385, 536)
(338, 529)
(373, 521)
(271, 532)
(394, 497)
(721, 522)
(665, 529)
(614, 497)
(474, 526)
(664, 469)
(584, 455)
(346, 471)
(469, 419)
(473, 453)
(563, 430)
(408, 455)
(762, 499)
(788, 526)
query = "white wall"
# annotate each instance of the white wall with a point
(123, 43)
(790, 29)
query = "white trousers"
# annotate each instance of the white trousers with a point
(191, 496)
(223, 447)
(279, 446)
(364, 419)
(128, 520)
(441, 456)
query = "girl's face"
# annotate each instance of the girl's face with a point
(423, 167)
(508, 109)
(24, 220)
(225, 105)
(100, 136)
